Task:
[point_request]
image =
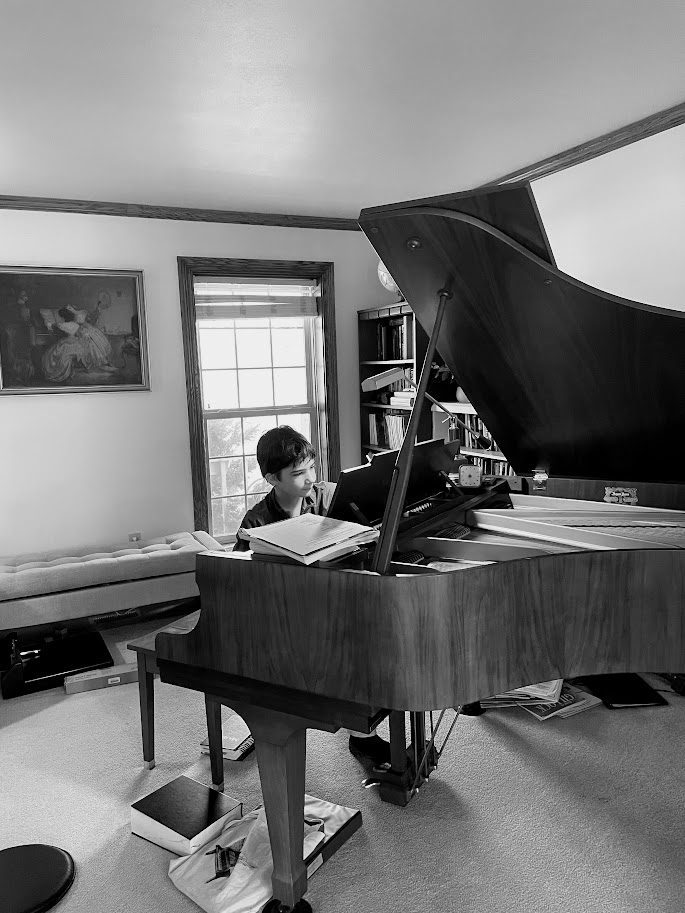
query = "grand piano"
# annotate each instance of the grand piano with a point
(576, 566)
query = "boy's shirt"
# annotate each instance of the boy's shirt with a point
(268, 510)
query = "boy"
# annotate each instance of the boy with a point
(287, 462)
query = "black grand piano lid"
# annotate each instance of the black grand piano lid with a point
(567, 378)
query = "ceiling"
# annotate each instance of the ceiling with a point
(316, 107)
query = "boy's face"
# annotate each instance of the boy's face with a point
(295, 481)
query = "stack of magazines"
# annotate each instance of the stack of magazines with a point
(529, 695)
(571, 700)
(309, 538)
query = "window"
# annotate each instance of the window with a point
(257, 353)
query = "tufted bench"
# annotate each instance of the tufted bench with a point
(44, 588)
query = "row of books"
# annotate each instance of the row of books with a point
(475, 423)
(492, 467)
(386, 430)
(394, 338)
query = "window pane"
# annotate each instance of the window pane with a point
(253, 322)
(226, 477)
(287, 322)
(219, 390)
(254, 427)
(224, 437)
(254, 348)
(290, 386)
(299, 421)
(288, 347)
(217, 348)
(251, 501)
(253, 476)
(226, 515)
(256, 388)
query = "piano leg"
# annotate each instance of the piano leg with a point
(395, 784)
(398, 784)
(215, 738)
(280, 743)
(146, 697)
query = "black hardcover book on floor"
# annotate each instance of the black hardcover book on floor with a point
(622, 689)
(183, 815)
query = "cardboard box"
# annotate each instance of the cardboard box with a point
(101, 678)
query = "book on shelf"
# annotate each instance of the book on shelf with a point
(387, 429)
(309, 538)
(403, 398)
(236, 740)
(394, 338)
(572, 700)
(183, 815)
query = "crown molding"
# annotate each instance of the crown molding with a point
(608, 142)
(177, 213)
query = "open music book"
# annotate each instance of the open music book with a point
(309, 538)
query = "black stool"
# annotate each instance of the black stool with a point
(34, 877)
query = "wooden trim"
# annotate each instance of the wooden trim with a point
(177, 213)
(188, 269)
(331, 408)
(608, 142)
(641, 129)
(198, 451)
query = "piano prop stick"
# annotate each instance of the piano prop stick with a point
(567, 379)
(400, 476)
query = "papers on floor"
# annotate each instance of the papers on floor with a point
(544, 699)
(571, 700)
(541, 692)
(237, 742)
(309, 538)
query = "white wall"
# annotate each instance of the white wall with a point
(87, 469)
(617, 222)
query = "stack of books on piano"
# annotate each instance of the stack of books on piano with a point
(309, 538)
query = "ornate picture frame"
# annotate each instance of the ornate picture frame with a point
(72, 330)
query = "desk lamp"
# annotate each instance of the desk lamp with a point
(385, 378)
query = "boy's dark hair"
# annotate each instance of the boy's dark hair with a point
(281, 447)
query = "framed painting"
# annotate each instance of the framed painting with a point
(71, 330)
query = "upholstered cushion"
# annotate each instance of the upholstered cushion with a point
(59, 571)
(34, 877)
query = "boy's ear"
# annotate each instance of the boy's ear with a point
(271, 478)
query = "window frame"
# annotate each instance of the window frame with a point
(325, 363)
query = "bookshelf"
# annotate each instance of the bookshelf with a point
(493, 462)
(389, 337)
